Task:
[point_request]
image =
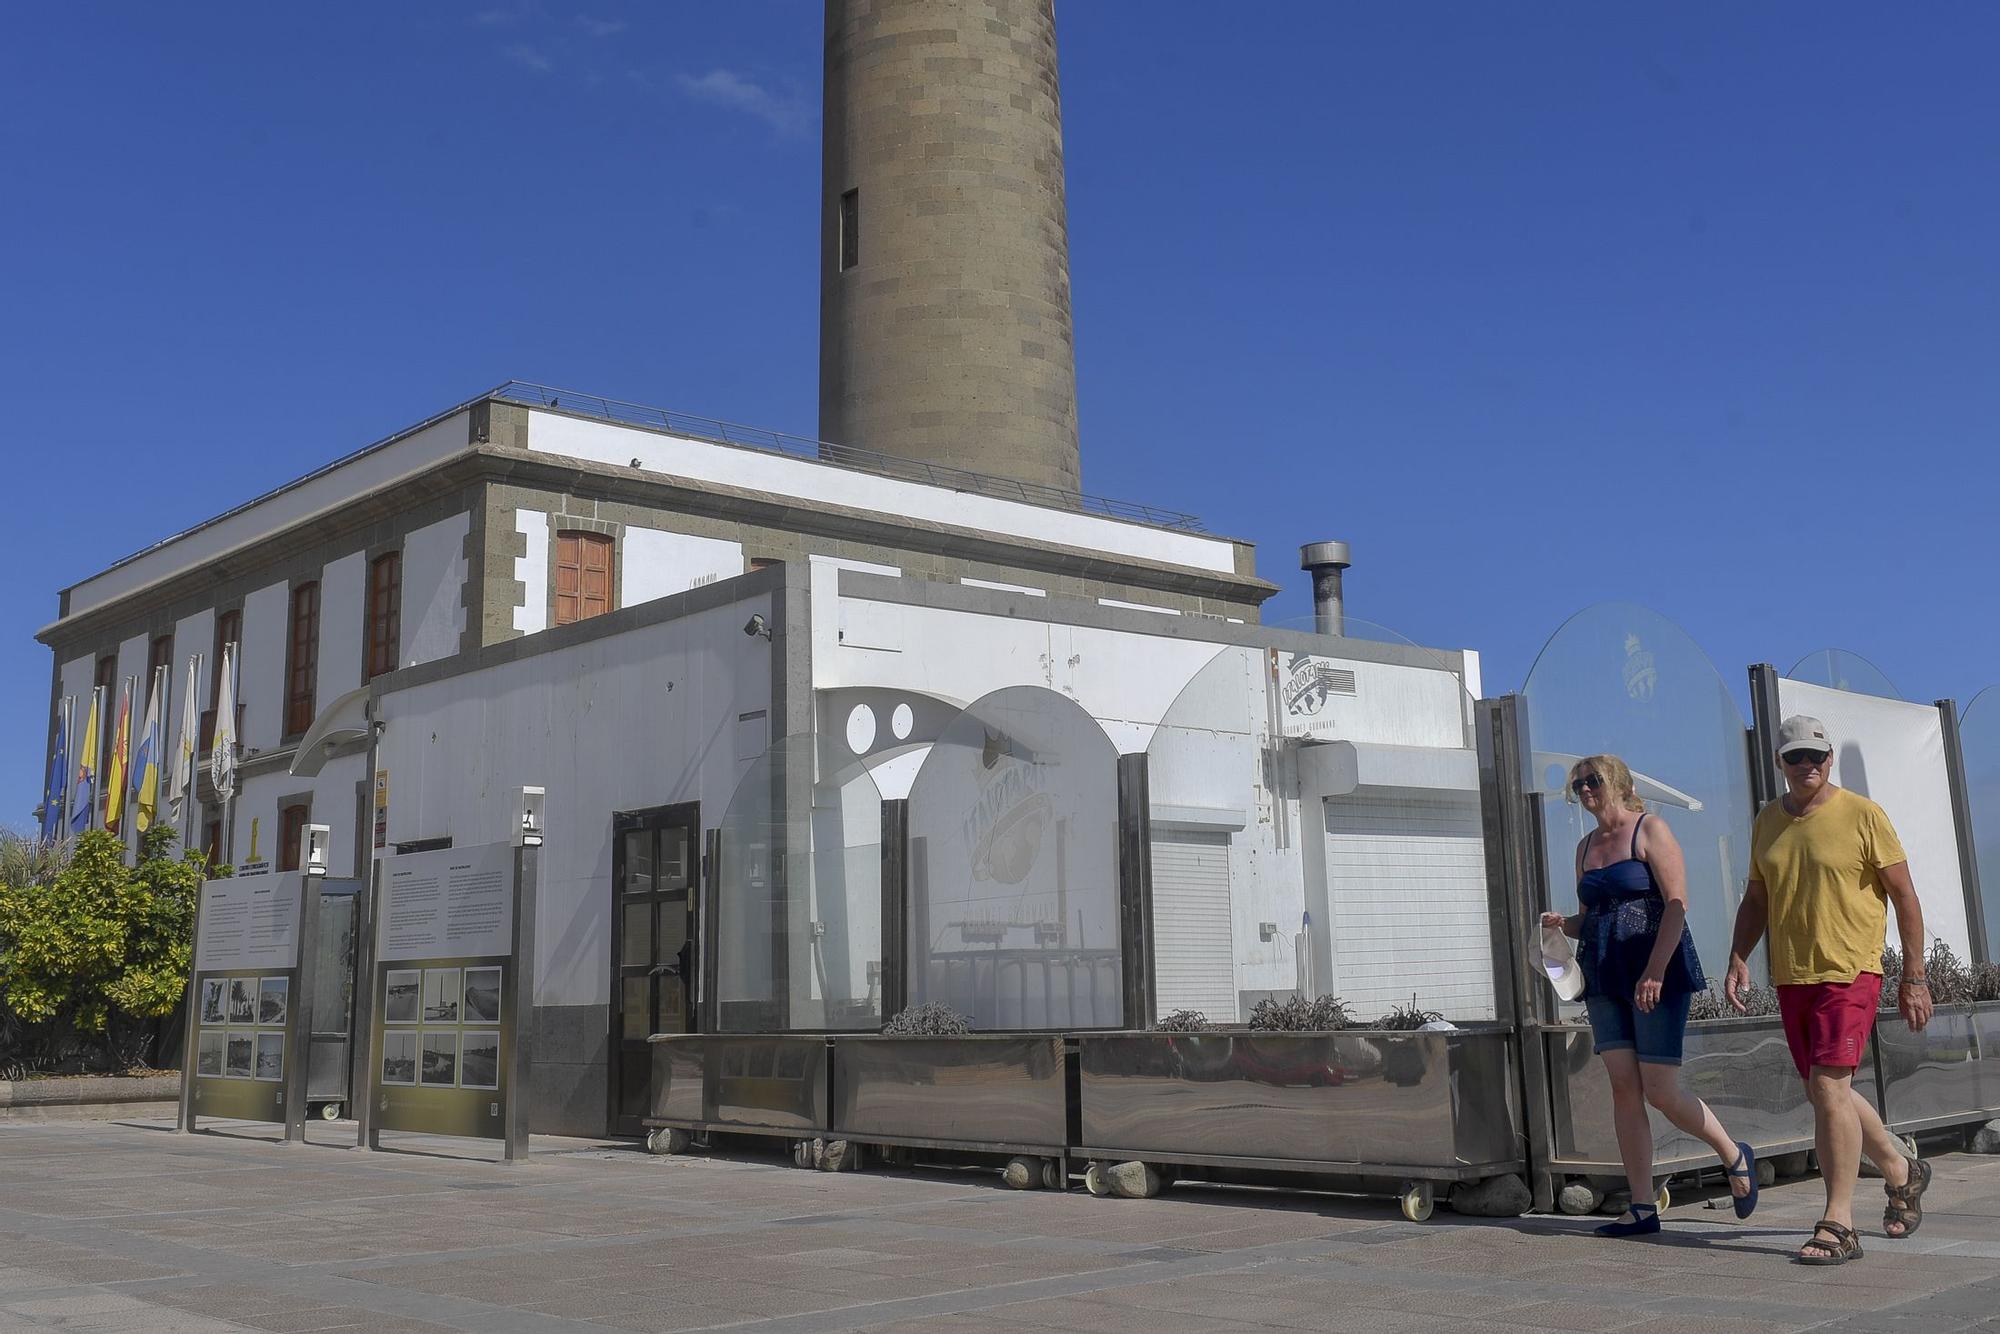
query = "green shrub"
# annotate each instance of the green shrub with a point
(1322, 1014)
(1183, 1021)
(90, 947)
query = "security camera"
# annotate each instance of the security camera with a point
(755, 626)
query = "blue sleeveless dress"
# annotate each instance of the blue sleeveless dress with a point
(1621, 920)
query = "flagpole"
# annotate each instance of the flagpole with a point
(97, 698)
(188, 801)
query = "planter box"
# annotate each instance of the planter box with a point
(1949, 1074)
(996, 1093)
(747, 1084)
(1740, 1067)
(1361, 1103)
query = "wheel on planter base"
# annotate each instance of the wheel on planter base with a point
(329, 1111)
(802, 1153)
(1417, 1201)
(1095, 1180)
(667, 1140)
(1664, 1200)
(1053, 1177)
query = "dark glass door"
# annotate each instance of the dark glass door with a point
(655, 958)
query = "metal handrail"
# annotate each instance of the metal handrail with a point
(841, 456)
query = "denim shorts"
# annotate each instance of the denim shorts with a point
(1655, 1036)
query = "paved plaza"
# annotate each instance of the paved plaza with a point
(124, 1225)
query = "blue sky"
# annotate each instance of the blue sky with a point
(1535, 305)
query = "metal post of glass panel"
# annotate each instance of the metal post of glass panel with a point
(1961, 819)
(894, 972)
(298, 1014)
(1514, 885)
(707, 929)
(521, 970)
(1135, 889)
(1767, 784)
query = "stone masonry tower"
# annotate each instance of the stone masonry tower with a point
(944, 267)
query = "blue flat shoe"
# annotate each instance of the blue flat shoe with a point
(1746, 1160)
(1645, 1222)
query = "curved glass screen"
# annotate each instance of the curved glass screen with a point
(1841, 670)
(1979, 739)
(1623, 680)
(1013, 863)
(799, 896)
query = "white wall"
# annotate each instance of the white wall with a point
(434, 590)
(332, 794)
(1892, 752)
(336, 488)
(823, 484)
(343, 626)
(261, 679)
(640, 719)
(532, 570)
(654, 564)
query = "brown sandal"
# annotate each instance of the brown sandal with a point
(1906, 1202)
(1845, 1245)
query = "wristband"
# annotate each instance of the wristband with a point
(1916, 982)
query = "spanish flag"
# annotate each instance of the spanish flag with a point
(114, 771)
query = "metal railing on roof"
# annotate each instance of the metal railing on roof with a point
(842, 456)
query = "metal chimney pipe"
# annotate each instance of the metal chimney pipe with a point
(1326, 560)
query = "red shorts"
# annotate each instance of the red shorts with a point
(1828, 1023)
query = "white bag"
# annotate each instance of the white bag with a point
(1559, 962)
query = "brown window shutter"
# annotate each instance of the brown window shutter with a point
(302, 676)
(385, 613)
(291, 827)
(583, 576)
(228, 630)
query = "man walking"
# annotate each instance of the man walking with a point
(1824, 865)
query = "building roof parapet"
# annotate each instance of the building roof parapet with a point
(842, 456)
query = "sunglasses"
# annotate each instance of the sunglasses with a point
(1798, 757)
(1587, 783)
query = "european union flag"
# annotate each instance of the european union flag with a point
(57, 786)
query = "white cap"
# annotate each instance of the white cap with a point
(1799, 732)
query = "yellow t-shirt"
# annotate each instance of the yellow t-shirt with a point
(1822, 873)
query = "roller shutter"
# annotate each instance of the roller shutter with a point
(1194, 952)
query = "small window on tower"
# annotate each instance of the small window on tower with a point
(850, 230)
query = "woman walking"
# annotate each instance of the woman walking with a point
(1640, 973)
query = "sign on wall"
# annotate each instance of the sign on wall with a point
(446, 999)
(248, 992)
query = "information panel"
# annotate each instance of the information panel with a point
(445, 992)
(455, 903)
(246, 985)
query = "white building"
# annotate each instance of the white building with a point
(636, 610)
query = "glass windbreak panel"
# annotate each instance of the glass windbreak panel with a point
(1013, 895)
(1841, 670)
(638, 934)
(673, 867)
(1622, 680)
(333, 980)
(639, 861)
(1372, 869)
(799, 912)
(1979, 738)
(638, 1006)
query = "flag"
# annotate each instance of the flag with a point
(57, 786)
(146, 761)
(83, 793)
(117, 766)
(180, 784)
(222, 753)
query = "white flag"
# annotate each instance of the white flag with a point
(222, 754)
(180, 783)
